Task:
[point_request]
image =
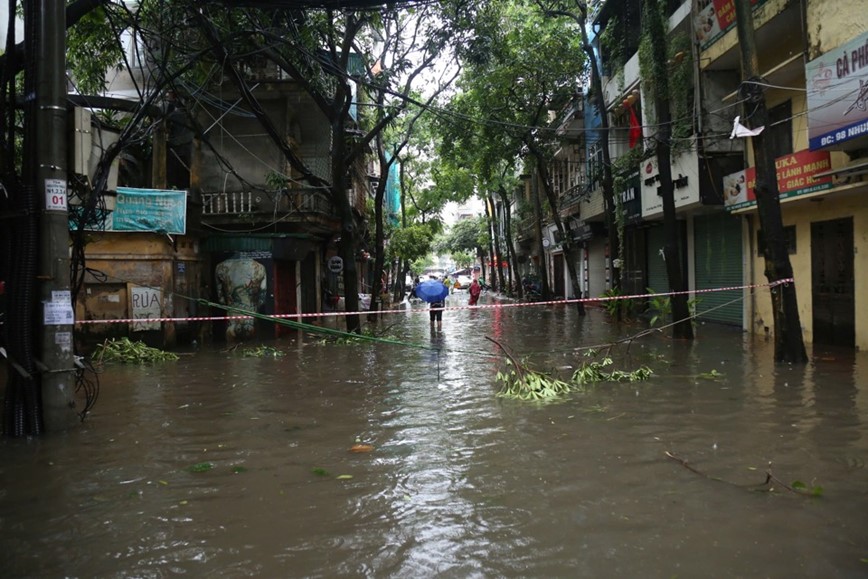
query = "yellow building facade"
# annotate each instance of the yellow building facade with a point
(813, 58)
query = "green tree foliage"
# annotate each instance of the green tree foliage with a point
(92, 49)
(412, 242)
(467, 240)
(512, 98)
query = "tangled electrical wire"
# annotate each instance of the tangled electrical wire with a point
(86, 384)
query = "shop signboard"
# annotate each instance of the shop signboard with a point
(149, 210)
(685, 181)
(795, 176)
(714, 18)
(133, 209)
(631, 199)
(146, 304)
(838, 94)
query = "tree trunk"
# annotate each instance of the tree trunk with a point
(492, 225)
(404, 266)
(682, 326)
(380, 251)
(347, 245)
(542, 270)
(789, 343)
(498, 248)
(567, 243)
(510, 248)
(599, 102)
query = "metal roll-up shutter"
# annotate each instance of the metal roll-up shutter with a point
(719, 264)
(596, 267)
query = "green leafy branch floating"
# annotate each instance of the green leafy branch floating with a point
(771, 484)
(262, 352)
(592, 372)
(521, 382)
(125, 351)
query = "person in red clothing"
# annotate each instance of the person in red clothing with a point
(475, 290)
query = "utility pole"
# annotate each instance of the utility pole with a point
(789, 344)
(54, 319)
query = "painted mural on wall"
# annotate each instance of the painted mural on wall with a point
(242, 282)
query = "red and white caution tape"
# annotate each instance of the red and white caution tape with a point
(454, 308)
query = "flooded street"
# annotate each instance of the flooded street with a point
(460, 482)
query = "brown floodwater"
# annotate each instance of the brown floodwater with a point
(459, 482)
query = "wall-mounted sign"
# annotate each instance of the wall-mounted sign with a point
(685, 179)
(631, 199)
(145, 304)
(795, 176)
(714, 18)
(838, 94)
(152, 210)
(55, 194)
(58, 311)
(336, 264)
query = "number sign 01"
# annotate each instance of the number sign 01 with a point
(55, 194)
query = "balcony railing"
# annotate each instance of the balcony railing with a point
(572, 197)
(526, 228)
(228, 203)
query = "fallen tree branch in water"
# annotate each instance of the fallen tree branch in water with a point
(797, 487)
(683, 462)
(519, 368)
(524, 383)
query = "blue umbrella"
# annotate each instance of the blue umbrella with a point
(432, 291)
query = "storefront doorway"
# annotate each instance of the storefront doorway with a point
(832, 282)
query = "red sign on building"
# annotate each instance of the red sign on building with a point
(796, 175)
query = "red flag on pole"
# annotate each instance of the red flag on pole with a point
(635, 128)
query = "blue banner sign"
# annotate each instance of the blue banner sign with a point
(149, 210)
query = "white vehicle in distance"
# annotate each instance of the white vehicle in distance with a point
(461, 279)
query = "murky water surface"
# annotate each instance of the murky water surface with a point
(460, 483)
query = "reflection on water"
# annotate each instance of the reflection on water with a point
(460, 483)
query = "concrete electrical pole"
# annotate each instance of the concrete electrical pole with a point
(49, 117)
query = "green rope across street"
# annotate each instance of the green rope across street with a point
(312, 328)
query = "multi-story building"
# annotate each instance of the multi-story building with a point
(814, 69)
(813, 61)
(256, 237)
(710, 239)
(539, 244)
(260, 219)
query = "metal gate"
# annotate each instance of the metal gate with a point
(597, 279)
(832, 282)
(718, 261)
(558, 274)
